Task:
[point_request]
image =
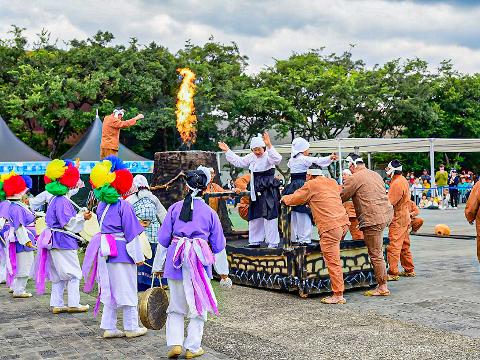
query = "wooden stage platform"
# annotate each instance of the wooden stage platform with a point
(297, 269)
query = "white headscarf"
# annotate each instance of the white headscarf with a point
(299, 145)
(117, 112)
(257, 141)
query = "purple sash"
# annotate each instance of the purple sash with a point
(11, 252)
(95, 265)
(42, 261)
(192, 255)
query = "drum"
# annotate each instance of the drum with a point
(153, 306)
(90, 228)
(147, 249)
(40, 225)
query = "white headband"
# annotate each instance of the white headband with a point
(354, 162)
(393, 169)
(117, 112)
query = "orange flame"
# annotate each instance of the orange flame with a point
(186, 119)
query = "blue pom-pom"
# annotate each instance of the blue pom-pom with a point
(28, 181)
(69, 162)
(117, 163)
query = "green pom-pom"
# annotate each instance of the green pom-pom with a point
(55, 188)
(107, 194)
(3, 196)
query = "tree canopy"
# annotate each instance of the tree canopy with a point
(49, 93)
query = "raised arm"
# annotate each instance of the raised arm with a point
(319, 161)
(122, 124)
(235, 160)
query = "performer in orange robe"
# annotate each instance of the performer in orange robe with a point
(354, 229)
(323, 198)
(112, 124)
(472, 214)
(399, 247)
(416, 222)
(241, 184)
(214, 188)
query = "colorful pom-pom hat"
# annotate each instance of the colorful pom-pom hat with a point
(110, 179)
(61, 176)
(14, 186)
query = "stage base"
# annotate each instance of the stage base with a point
(297, 269)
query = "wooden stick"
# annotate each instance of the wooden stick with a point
(169, 183)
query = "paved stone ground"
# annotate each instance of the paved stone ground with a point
(433, 316)
(29, 331)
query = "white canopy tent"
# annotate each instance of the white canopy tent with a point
(343, 146)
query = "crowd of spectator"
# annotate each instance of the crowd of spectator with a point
(450, 188)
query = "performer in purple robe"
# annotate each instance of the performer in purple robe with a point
(20, 237)
(114, 254)
(4, 206)
(190, 241)
(57, 257)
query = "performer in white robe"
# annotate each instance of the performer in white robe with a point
(264, 189)
(299, 163)
(191, 240)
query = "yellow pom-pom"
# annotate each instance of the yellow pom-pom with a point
(101, 174)
(55, 169)
(4, 177)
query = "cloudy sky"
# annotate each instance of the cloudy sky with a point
(266, 29)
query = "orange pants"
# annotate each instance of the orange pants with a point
(373, 237)
(357, 234)
(330, 246)
(416, 224)
(399, 249)
(104, 152)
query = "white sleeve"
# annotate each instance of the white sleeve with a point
(134, 249)
(38, 201)
(161, 211)
(221, 263)
(76, 223)
(320, 161)
(22, 235)
(159, 260)
(235, 160)
(274, 158)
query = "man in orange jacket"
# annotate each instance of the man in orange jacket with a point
(472, 214)
(112, 124)
(399, 247)
(323, 197)
(355, 231)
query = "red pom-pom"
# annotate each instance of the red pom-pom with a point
(70, 178)
(15, 185)
(46, 179)
(123, 181)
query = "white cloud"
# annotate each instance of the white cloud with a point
(382, 30)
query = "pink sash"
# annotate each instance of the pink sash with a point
(191, 255)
